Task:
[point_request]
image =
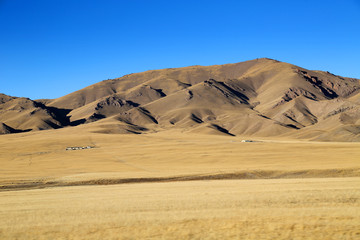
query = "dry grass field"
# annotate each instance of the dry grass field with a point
(40, 157)
(325, 208)
(267, 189)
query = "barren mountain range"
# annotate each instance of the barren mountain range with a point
(257, 98)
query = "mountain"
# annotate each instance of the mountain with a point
(260, 98)
(24, 114)
(5, 129)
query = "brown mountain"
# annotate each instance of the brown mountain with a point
(5, 129)
(261, 98)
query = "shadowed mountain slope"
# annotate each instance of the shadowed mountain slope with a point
(5, 129)
(24, 114)
(261, 97)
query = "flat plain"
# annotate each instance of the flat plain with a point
(326, 208)
(174, 185)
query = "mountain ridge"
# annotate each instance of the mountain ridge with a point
(261, 97)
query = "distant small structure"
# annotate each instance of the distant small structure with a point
(78, 148)
(247, 140)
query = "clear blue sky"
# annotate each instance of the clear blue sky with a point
(49, 48)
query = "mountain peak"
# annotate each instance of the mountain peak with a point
(260, 97)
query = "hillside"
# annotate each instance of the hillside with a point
(257, 98)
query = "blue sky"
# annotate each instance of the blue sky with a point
(49, 48)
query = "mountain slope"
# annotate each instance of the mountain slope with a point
(5, 129)
(24, 114)
(261, 97)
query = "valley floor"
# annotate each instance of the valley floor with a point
(266, 189)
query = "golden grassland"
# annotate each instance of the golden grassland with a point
(273, 188)
(323, 208)
(41, 156)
